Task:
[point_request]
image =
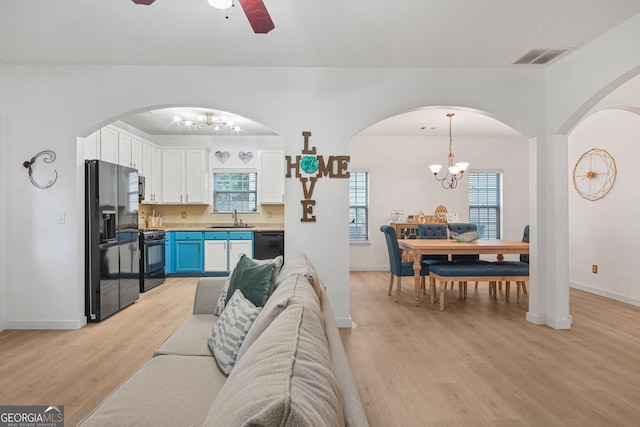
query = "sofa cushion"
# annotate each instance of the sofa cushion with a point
(296, 289)
(284, 379)
(165, 391)
(253, 279)
(222, 299)
(190, 338)
(230, 330)
(300, 264)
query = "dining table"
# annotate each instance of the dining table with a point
(418, 247)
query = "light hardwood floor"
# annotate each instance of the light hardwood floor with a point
(478, 363)
(79, 368)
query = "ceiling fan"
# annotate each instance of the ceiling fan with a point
(255, 10)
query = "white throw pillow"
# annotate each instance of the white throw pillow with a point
(231, 329)
(221, 299)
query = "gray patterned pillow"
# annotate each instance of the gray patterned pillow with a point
(231, 329)
(221, 299)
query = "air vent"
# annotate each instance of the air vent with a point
(540, 56)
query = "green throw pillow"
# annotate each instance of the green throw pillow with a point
(253, 279)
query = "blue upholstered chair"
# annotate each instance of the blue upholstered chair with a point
(433, 231)
(399, 268)
(523, 264)
(525, 238)
(463, 227)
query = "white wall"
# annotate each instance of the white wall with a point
(400, 179)
(604, 232)
(573, 86)
(43, 271)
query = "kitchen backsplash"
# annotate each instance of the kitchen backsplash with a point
(201, 215)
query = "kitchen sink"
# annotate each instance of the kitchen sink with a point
(231, 226)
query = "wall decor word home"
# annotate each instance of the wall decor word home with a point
(314, 167)
(28, 164)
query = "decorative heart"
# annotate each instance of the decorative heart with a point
(245, 156)
(222, 156)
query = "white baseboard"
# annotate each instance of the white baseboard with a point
(607, 294)
(43, 324)
(344, 322)
(369, 268)
(535, 319)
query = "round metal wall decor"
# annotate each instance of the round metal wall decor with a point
(594, 174)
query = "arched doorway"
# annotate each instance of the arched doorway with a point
(396, 153)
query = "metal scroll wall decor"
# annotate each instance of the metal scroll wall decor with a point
(48, 157)
(314, 167)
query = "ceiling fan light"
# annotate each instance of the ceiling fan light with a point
(188, 122)
(177, 118)
(220, 4)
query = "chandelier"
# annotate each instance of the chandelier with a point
(454, 171)
(208, 120)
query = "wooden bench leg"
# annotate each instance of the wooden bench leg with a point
(507, 290)
(522, 285)
(442, 285)
(432, 289)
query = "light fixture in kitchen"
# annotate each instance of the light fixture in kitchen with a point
(208, 119)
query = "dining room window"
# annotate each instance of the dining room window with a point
(359, 206)
(485, 202)
(235, 190)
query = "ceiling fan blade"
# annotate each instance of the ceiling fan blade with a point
(257, 15)
(145, 2)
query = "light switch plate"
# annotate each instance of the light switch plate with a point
(61, 218)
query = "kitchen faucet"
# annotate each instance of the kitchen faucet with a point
(234, 215)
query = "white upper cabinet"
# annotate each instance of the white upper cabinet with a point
(155, 186)
(124, 149)
(184, 174)
(92, 146)
(271, 177)
(195, 176)
(172, 176)
(137, 162)
(109, 145)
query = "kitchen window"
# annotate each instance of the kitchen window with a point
(485, 203)
(235, 190)
(359, 206)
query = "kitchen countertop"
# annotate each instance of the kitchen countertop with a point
(220, 227)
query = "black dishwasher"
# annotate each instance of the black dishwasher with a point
(268, 244)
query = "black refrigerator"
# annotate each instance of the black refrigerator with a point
(112, 255)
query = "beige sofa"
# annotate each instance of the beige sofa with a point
(291, 368)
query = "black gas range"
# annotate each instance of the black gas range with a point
(152, 258)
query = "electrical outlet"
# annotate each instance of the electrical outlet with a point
(61, 218)
(184, 214)
(594, 269)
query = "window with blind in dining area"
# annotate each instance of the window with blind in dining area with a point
(485, 202)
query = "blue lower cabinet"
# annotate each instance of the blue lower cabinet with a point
(168, 253)
(188, 252)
